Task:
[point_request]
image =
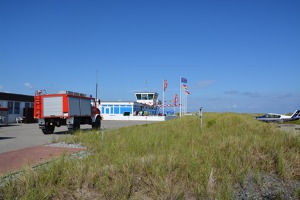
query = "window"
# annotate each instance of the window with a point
(150, 96)
(116, 109)
(28, 105)
(17, 108)
(138, 96)
(11, 107)
(144, 97)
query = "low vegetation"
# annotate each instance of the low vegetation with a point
(169, 160)
(296, 122)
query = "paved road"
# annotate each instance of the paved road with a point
(20, 136)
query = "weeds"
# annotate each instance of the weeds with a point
(166, 160)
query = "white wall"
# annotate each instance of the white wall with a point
(137, 118)
(12, 117)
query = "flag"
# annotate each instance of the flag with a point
(165, 85)
(184, 86)
(183, 80)
(187, 92)
(175, 99)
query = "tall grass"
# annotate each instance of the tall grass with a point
(167, 160)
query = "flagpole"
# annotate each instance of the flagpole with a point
(183, 103)
(180, 109)
(174, 102)
(183, 99)
(163, 97)
(186, 103)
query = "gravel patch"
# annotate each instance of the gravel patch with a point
(79, 155)
(265, 186)
(66, 145)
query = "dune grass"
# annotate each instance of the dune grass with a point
(166, 160)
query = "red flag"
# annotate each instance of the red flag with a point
(175, 99)
(165, 85)
(186, 91)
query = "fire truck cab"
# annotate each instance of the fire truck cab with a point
(65, 108)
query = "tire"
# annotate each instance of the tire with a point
(74, 127)
(97, 124)
(77, 127)
(48, 129)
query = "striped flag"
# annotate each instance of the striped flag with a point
(165, 85)
(187, 92)
(184, 86)
(175, 99)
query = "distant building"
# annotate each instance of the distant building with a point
(128, 108)
(146, 104)
(15, 104)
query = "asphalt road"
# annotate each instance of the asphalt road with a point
(20, 136)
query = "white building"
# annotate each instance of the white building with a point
(16, 104)
(144, 108)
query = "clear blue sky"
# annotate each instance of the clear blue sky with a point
(238, 56)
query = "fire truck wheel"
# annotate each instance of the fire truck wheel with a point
(76, 126)
(48, 130)
(97, 124)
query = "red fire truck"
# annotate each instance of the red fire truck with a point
(65, 108)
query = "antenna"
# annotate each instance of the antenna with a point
(146, 85)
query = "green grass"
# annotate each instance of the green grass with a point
(296, 122)
(166, 160)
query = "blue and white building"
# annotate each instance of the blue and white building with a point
(144, 108)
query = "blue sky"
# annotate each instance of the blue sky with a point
(238, 56)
